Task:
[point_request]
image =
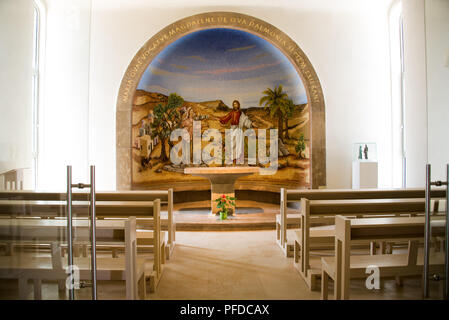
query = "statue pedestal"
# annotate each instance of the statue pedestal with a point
(222, 180)
(364, 174)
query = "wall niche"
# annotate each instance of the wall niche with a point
(191, 72)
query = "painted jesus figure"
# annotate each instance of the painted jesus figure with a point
(239, 120)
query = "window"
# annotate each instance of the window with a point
(397, 96)
(36, 77)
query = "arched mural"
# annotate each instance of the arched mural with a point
(190, 76)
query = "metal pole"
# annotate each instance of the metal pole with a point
(93, 235)
(427, 235)
(404, 172)
(69, 230)
(446, 262)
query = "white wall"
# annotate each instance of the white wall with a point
(91, 42)
(16, 52)
(437, 54)
(64, 110)
(346, 42)
(415, 92)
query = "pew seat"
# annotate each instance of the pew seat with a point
(39, 268)
(42, 268)
(145, 243)
(121, 232)
(286, 220)
(344, 266)
(321, 243)
(293, 221)
(390, 265)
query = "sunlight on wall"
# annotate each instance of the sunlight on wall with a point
(348, 46)
(64, 111)
(437, 55)
(396, 95)
(16, 34)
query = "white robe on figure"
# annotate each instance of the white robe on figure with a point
(237, 137)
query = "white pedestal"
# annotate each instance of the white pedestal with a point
(364, 174)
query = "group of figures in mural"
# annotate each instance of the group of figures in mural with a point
(261, 86)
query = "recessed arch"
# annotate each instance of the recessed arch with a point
(211, 20)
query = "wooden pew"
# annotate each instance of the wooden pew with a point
(292, 220)
(343, 266)
(319, 212)
(147, 213)
(14, 179)
(39, 268)
(166, 197)
(438, 207)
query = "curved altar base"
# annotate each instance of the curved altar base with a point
(251, 215)
(204, 185)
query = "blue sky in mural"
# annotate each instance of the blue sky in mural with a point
(222, 64)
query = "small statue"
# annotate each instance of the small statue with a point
(360, 152)
(365, 151)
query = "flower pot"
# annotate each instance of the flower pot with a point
(223, 215)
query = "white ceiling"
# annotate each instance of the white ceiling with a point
(306, 5)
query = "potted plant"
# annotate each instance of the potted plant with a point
(225, 203)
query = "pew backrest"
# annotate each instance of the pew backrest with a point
(341, 194)
(315, 212)
(149, 195)
(347, 230)
(362, 206)
(38, 208)
(165, 196)
(296, 195)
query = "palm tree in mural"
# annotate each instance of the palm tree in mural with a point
(166, 119)
(276, 102)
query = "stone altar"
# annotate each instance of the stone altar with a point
(222, 179)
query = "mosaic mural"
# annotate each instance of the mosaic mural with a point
(219, 78)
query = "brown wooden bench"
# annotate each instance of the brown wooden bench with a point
(166, 197)
(105, 210)
(148, 213)
(323, 212)
(343, 266)
(14, 179)
(286, 220)
(38, 268)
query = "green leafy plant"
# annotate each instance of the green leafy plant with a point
(300, 146)
(224, 203)
(166, 119)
